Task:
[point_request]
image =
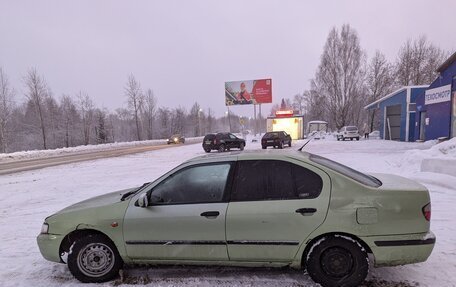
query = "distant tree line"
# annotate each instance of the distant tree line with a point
(346, 81)
(44, 121)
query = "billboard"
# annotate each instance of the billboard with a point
(248, 92)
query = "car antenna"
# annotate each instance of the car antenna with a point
(300, 149)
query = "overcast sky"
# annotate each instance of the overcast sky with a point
(185, 50)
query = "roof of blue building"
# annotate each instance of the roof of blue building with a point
(374, 105)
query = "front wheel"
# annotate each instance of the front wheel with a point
(337, 261)
(241, 146)
(289, 144)
(221, 148)
(94, 259)
(280, 145)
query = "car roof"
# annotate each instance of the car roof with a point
(250, 155)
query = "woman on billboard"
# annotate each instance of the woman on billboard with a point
(244, 96)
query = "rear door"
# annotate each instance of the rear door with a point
(274, 207)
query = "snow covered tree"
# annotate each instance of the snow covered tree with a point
(6, 110)
(135, 100)
(339, 78)
(149, 110)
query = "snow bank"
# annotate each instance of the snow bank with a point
(33, 154)
(440, 158)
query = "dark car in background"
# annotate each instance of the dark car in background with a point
(276, 139)
(176, 139)
(222, 142)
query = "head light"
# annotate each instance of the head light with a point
(44, 228)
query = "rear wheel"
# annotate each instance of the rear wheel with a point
(221, 148)
(241, 146)
(94, 259)
(337, 261)
(357, 138)
(207, 150)
(263, 147)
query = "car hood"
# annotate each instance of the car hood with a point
(395, 182)
(98, 201)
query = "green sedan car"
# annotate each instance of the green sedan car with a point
(248, 209)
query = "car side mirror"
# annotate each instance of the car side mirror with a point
(143, 200)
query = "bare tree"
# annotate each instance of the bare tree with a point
(86, 109)
(6, 109)
(417, 62)
(340, 74)
(379, 82)
(36, 93)
(135, 99)
(299, 103)
(70, 117)
(149, 110)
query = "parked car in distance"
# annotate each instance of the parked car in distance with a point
(348, 132)
(249, 209)
(374, 135)
(177, 138)
(276, 139)
(222, 142)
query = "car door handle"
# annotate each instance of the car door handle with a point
(210, 214)
(308, 211)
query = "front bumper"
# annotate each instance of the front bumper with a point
(401, 249)
(49, 245)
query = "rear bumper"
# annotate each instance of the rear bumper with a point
(49, 245)
(401, 249)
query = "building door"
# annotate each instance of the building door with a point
(393, 122)
(422, 126)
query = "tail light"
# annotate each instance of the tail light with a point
(427, 211)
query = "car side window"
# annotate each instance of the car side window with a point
(307, 183)
(274, 180)
(195, 184)
(232, 136)
(263, 180)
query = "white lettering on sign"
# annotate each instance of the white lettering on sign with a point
(437, 95)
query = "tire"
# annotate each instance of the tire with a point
(357, 138)
(351, 139)
(337, 261)
(221, 148)
(338, 139)
(208, 150)
(289, 144)
(263, 147)
(280, 145)
(94, 259)
(241, 146)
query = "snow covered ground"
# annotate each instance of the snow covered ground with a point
(27, 198)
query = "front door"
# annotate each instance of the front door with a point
(186, 217)
(274, 207)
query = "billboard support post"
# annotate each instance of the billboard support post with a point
(259, 116)
(254, 120)
(229, 117)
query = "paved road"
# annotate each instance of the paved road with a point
(23, 165)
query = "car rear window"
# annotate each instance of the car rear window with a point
(271, 135)
(209, 137)
(347, 171)
(351, 129)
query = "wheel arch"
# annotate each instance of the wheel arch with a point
(332, 234)
(74, 235)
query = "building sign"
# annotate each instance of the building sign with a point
(287, 113)
(248, 92)
(438, 95)
(453, 116)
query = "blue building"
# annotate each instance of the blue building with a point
(436, 109)
(397, 113)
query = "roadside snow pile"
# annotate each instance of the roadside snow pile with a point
(33, 154)
(440, 158)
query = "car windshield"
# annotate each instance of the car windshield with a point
(347, 171)
(351, 129)
(209, 137)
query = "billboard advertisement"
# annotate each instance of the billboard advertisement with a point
(248, 92)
